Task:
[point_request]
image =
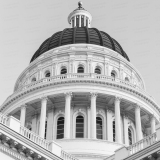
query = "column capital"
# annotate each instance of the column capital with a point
(68, 94)
(137, 106)
(23, 106)
(44, 98)
(93, 94)
(118, 98)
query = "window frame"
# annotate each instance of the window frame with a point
(100, 69)
(57, 126)
(76, 126)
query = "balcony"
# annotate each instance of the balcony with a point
(74, 76)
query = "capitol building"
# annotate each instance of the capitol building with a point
(80, 98)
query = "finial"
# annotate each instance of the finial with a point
(80, 4)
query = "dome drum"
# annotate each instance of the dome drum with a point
(101, 58)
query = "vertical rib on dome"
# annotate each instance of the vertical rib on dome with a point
(87, 33)
(74, 34)
(100, 36)
(111, 40)
(60, 39)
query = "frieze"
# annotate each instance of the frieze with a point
(118, 86)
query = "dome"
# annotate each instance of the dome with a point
(79, 35)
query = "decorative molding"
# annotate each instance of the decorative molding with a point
(109, 84)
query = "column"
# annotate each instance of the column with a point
(43, 116)
(109, 125)
(34, 123)
(84, 21)
(118, 120)
(23, 115)
(79, 20)
(88, 115)
(153, 124)
(50, 126)
(138, 123)
(93, 115)
(67, 125)
(74, 21)
(125, 124)
(88, 23)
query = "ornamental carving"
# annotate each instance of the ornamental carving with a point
(68, 94)
(93, 94)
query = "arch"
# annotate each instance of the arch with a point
(47, 73)
(45, 134)
(80, 112)
(130, 136)
(60, 128)
(98, 70)
(101, 114)
(56, 117)
(114, 130)
(79, 126)
(80, 68)
(63, 70)
(33, 79)
(133, 131)
(114, 74)
(99, 127)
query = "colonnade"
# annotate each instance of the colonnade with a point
(85, 19)
(93, 96)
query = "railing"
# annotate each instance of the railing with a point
(51, 146)
(78, 75)
(34, 137)
(147, 141)
(66, 156)
(3, 119)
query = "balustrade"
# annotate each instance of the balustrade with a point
(66, 156)
(145, 142)
(34, 137)
(77, 75)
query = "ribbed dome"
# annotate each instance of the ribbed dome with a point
(79, 35)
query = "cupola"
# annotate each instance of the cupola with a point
(80, 17)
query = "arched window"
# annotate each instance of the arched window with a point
(47, 74)
(130, 136)
(114, 131)
(60, 128)
(80, 69)
(33, 79)
(113, 74)
(98, 70)
(63, 70)
(126, 79)
(45, 134)
(79, 127)
(99, 128)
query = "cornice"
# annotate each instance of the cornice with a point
(109, 84)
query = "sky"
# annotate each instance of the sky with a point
(24, 25)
